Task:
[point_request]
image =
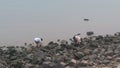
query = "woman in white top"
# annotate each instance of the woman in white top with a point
(38, 41)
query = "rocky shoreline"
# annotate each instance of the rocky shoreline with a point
(93, 52)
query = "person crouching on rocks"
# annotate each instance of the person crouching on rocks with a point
(38, 42)
(77, 39)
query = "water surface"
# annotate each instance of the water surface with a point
(21, 21)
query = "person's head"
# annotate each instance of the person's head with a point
(41, 39)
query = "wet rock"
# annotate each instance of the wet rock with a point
(50, 43)
(64, 42)
(49, 64)
(100, 37)
(91, 63)
(13, 57)
(58, 65)
(96, 51)
(117, 59)
(93, 44)
(51, 46)
(5, 49)
(102, 51)
(48, 58)
(109, 52)
(2, 66)
(118, 66)
(16, 64)
(45, 66)
(106, 67)
(105, 61)
(63, 63)
(28, 65)
(117, 34)
(87, 51)
(74, 61)
(79, 55)
(109, 57)
(71, 47)
(116, 51)
(84, 63)
(28, 58)
(93, 57)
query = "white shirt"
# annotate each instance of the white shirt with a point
(77, 37)
(37, 39)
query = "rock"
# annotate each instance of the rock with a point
(105, 61)
(117, 59)
(46, 66)
(52, 46)
(96, 51)
(117, 34)
(109, 58)
(46, 62)
(68, 67)
(64, 42)
(48, 58)
(91, 63)
(102, 51)
(109, 52)
(92, 57)
(118, 66)
(29, 56)
(13, 57)
(84, 63)
(93, 44)
(62, 63)
(87, 51)
(86, 58)
(5, 49)
(2, 66)
(51, 43)
(58, 65)
(79, 55)
(52, 64)
(74, 61)
(116, 51)
(28, 65)
(71, 47)
(106, 67)
(16, 64)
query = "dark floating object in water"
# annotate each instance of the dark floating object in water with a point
(90, 33)
(86, 19)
